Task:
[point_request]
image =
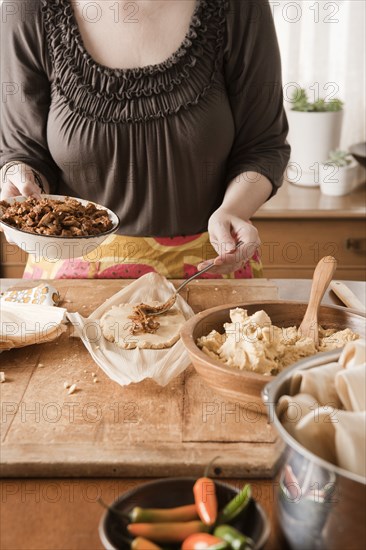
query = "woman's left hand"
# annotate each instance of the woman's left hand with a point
(225, 231)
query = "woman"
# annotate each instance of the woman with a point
(175, 143)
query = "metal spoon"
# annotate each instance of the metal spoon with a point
(170, 303)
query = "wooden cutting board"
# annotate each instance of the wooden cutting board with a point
(140, 430)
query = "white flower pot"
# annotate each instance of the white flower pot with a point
(311, 136)
(338, 180)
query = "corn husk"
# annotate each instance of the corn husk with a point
(134, 365)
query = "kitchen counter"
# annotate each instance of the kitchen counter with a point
(294, 201)
(52, 512)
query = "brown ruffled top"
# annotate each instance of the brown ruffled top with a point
(134, 95)
(157, 144)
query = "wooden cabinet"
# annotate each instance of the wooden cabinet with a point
(297, 227)
(300, 225)
(291, 248)
(12, 259)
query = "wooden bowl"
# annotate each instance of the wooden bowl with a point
(242, 386)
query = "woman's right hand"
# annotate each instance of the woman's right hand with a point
(19, 179)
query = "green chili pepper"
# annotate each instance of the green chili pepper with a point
(160, 515)
(236, 505)
(143, 544)
(168, 531)
(155, 515)
(237, 540)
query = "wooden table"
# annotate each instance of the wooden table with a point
(53, 512)
(50, 514)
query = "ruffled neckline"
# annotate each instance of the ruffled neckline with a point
(100, 93)
(137, 72)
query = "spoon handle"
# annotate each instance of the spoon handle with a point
(323, 275)
(207, 268)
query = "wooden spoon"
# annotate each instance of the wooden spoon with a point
(323, 274)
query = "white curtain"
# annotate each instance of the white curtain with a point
(323, 48)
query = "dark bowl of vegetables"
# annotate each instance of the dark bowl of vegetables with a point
(187, 514)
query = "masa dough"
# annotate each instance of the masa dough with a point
(116, 326)
(252, 343)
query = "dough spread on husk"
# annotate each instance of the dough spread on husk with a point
(117, 326)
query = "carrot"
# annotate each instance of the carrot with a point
(166, 532)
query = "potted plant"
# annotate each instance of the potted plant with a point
(315, 129)
(338, 175)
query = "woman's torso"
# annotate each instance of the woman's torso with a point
(149, 143)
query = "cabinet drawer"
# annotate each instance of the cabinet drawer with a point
(12, 259)
(291, 248)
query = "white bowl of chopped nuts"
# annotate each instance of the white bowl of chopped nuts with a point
(56, 227)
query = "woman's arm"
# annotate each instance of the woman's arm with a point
(260, 153)
(17, 178)
(26, 99)
(230, 223)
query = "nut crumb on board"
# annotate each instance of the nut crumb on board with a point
(2, 377)
(41, 365)
(72, 389)
(95, 380)
(66, 385)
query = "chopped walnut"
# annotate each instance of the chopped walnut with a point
(143, 319)
(45, 216)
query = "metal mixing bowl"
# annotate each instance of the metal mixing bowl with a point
(319, 505)
(358, 151)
